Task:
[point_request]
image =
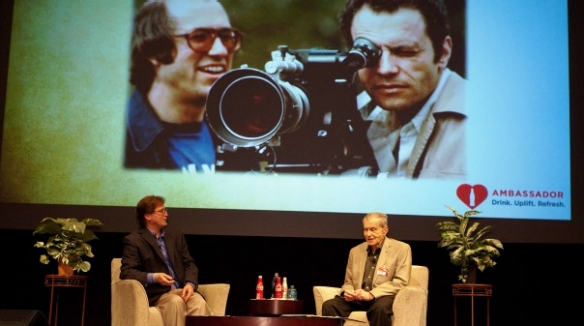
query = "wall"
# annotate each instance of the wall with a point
(530, 283)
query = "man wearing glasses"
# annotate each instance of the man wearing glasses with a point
(179, 49)
(161, 261)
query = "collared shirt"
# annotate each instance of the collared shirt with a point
(370, 265)
(153, 144)
(162, 246)
(387, 133)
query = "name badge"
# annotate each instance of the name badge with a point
(383, 271)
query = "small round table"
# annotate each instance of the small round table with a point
(274, 307)
(472, 291)
(56, 282)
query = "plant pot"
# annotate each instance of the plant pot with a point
(64, 269)
(472, 275)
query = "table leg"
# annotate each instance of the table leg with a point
(83, 309)
(51, 306)
(472, 310)
(455, 313)
(488, 311)
(57, 308)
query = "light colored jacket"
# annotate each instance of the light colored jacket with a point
(395, 258)
(439, 151)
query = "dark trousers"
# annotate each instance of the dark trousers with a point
(379, 311)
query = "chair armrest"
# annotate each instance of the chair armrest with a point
(129, 303)
(410, 306)
(216, 296)
(322, 294)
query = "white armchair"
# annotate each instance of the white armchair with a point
(130, 303)
(409, 307)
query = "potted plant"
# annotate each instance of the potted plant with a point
(467, 244)
(67, 243)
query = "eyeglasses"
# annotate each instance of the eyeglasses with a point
(162, 211)
(202, 39)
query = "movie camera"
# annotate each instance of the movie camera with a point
(300, 115)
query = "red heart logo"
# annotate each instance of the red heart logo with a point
(472, 196)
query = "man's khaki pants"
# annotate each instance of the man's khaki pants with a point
(174, 310)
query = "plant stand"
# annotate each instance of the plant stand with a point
(56, 282)
(472, 291)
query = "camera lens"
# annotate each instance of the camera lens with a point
(251, 107)
(247, 107)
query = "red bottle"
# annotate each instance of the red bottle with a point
(260, 288)
(278, 289)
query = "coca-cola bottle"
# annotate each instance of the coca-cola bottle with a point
(278, 288)
(260, 288)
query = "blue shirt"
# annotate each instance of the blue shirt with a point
(162, 246)
(153, 144)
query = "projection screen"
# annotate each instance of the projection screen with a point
(65, 112)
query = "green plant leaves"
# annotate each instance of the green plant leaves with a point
(466, 243)
(68, 240)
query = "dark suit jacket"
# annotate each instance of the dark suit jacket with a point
(142, 256)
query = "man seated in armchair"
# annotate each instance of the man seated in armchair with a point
(161, 261)
(376, 270)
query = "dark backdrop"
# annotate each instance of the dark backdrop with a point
(533, 284)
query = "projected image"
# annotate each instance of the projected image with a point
(306, 109)
(301, 114)
(275, 106)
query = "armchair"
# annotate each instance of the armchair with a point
(130, 303)
(409, 307)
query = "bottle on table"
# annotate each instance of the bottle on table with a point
(292, 294)
(278, 288)
(260, 288)
(274, 284)
(284, 288)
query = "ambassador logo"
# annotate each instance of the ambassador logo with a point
(472, 195)
(528, 193)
